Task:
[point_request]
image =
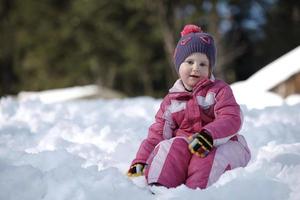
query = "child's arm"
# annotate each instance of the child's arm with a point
(227, 121)
(157, 132)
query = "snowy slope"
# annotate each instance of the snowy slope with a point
(81, 150)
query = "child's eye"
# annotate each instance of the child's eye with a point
(190, 62)
(202, 64)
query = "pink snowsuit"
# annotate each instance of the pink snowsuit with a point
(210, 106)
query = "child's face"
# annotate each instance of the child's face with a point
(194, 68)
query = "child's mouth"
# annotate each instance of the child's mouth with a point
(194, 76)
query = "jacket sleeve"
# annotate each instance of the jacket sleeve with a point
(158, 131)
(228, 120)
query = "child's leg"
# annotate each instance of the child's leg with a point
(203, 172)
(199, 170)
(169, 163)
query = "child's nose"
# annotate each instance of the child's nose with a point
(196, 67)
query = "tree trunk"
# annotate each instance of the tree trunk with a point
(214, 30)
(165, 21)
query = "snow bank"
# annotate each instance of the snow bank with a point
(69, 94)
(81, 150)
(59, 95)
(254, 92)
(277, 71)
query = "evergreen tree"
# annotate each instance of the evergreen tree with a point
(129, 45)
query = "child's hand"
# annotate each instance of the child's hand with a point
(136, 170)
(201, 144)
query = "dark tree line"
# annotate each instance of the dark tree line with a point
(128, 45)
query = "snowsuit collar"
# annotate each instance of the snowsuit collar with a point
(178, 86)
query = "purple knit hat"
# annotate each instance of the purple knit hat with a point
(193, 40)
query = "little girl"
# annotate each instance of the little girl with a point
(194, 138)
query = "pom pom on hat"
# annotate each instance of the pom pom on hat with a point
(190, 28)
(193, 40)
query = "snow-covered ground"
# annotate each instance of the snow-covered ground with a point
(82, 150)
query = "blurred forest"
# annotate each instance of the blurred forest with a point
(128, 45)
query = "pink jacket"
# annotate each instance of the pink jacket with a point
(211, 106)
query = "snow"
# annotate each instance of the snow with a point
(53, 149)
(277, 71)
(255, 99)
(82, 150)
(63, 94)
(254, 92)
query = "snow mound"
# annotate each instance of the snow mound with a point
(81, 150)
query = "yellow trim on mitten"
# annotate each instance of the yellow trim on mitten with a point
(136, 174)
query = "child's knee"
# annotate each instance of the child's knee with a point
(181, 141)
